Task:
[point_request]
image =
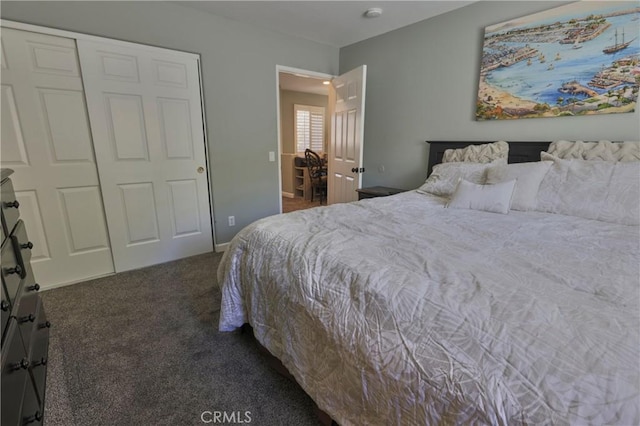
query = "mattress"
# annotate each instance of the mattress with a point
(397, 310)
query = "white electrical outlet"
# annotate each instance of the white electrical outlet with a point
(232, 221)
(272, 156)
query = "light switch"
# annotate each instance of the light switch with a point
(272, 156)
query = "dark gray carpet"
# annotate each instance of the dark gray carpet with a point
(142, 348)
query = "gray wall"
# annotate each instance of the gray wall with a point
(239, 78)
(422, 83)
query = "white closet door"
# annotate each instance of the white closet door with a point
(47, 142)
(146, 118)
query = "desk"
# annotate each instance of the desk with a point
(302, 183)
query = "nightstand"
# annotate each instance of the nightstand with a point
(377, 191)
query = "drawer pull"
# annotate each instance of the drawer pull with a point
(27, 245)
(4, 305)
(45, 324)
(36, 417)
(15, 204)
(41, 361)
(22, 365)
(34, 287)
(16, 270)
(28, 318)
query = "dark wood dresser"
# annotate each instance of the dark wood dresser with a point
(25, 329)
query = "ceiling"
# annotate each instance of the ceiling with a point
(297, 83)
(335, 23)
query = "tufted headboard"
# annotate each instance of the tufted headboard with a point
(519, 152)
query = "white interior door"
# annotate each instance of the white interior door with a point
(146, 118)
(346, 100)
(47, 142)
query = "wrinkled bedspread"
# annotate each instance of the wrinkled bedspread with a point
(396, 310)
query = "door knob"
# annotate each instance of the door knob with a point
(354, 170)
(200, 169)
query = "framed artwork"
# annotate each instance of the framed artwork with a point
(578, 59)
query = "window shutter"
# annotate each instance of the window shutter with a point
(309, 127)
(302, 130)
(317, 131)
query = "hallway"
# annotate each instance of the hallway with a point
(298, 203)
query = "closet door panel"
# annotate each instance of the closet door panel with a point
(82, 208)
(68, 143)
(47, 142)
(125, 121)
(141, 216)
(146, 116)
(31, 213)
(175, 119)
(14, 152)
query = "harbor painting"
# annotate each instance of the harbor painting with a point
(579, 59)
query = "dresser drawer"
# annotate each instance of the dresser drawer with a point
(31, 407)
(21, 244)
(11, 271)
(15, 375)
(5, 309)
(27, 317)
(39, 353)
(27, 307)
(10, 213)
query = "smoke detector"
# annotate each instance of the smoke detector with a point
(374, 12)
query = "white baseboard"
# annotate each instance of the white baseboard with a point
(222, 247)
(45, 287)
(288, 194)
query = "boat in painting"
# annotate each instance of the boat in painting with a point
(618, 47)
(577, 44)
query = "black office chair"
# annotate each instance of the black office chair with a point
(317, 174)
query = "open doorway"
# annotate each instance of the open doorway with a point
(303, 122)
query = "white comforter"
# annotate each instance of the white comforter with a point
(399, 311)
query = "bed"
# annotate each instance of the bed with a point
(397, 310)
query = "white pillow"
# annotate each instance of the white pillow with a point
(483, 153)
(601, 150)
(622, 204)
(489, 198)
(601, 190)
(528, 175)
(445, 176)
